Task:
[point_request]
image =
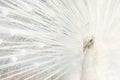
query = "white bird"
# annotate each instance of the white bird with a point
(59, 39)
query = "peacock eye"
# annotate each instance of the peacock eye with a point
(91, 40)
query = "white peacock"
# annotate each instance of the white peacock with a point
(59, 40)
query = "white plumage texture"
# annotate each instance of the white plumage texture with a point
(59, 39)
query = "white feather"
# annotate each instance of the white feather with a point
(59, 39)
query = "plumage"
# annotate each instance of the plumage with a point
(59, 39)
